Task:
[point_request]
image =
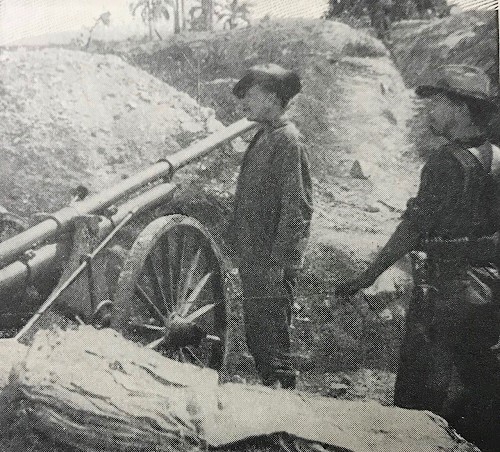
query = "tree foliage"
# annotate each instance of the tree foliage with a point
(228, 14)
(399, 9)
(231, 13)
(153, 10)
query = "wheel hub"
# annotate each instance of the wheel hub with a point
(182, 333)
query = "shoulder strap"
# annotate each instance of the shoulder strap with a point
(465, 157)
(495, 163)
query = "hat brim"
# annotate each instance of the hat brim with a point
(429, 90)
(241, 87)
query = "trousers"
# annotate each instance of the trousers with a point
(267, 300)
(446, 364)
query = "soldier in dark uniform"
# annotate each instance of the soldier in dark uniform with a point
(447, 363)
(271, 218)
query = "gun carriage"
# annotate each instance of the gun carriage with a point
(170, 294)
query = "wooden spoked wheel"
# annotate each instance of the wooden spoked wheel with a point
(11, 224)
(170, 294)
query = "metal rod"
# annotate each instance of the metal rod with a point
(57, 293)
(62, 219)
(90, 280)
(50, 301)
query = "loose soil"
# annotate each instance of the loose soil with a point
(70, 117)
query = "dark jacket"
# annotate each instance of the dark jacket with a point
(455, 197)
(273, 201)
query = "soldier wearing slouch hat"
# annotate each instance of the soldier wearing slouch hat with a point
(448, 362)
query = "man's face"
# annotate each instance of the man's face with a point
(445, 115)
(259, 104)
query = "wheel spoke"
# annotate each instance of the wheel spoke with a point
(147, 301)
(155, 281)
(148, 327)
(195, 293)
(156, 343)
(183, 267)
(198, 313)
(177, 264)
(188, 281)
(193, 355)
(167, 274)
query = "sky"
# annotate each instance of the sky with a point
(30, 18)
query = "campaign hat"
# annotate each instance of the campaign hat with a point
(469, 83)
(284, 82)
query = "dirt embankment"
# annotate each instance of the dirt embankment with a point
(470, 38)
(69, 118)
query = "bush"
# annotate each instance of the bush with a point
(348, 341)
(401, 9)
(337, 350)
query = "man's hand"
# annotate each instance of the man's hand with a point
(496, 347)
(352, 286)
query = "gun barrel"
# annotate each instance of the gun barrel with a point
(19, 274)
(60, 221)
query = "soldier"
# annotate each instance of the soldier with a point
(271, 218)
(447, 364)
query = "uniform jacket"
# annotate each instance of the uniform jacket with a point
(273, 202)
(455, 197)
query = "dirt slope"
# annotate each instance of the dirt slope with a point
(469, 38)
(69, 117)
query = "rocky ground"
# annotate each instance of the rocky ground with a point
(70, 117)
(147, 101)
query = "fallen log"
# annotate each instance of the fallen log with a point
(93, 390)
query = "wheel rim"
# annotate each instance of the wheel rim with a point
(170, 294)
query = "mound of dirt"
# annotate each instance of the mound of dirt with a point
(69, 117)
(468, 38)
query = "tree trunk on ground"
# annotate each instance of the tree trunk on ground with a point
(93, 390)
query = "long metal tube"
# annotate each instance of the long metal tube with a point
(19, 274)
(10, 249)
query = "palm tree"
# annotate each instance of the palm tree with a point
(153, 10)
(233, 11)
(203, 21)
(177, 22)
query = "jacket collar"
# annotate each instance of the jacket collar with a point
(280, 122)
